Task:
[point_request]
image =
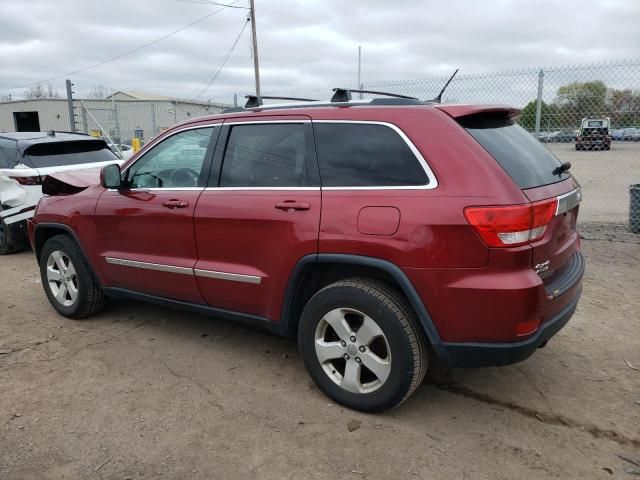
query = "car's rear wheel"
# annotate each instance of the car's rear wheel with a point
(67, 280)
(362, 345)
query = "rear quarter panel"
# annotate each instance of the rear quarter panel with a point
(432, 231)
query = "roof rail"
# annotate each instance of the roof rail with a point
(254, 101)
(344, 94)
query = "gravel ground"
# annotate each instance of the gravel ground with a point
(605, 177)
(147, 392)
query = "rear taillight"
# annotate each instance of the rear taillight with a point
(36, 180)
(511, 225)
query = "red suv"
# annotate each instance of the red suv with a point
(385, 235)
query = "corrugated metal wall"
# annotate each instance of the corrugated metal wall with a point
(118, 118)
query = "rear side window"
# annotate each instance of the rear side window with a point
(9, 156)
(266, 155)
(55, 154)
(523, 157)
(365, 155)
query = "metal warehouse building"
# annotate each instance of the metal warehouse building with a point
(121, 116)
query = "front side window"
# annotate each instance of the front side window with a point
(365, 155)
(174, 163)
(266, 155)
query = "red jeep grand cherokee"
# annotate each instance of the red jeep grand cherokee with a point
(385, 235)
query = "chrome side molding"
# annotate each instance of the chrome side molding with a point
(233, 277)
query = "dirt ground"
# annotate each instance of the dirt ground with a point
(147, 392)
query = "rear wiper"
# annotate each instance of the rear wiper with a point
(562, 168)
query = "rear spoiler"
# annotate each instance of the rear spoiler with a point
(465, 110)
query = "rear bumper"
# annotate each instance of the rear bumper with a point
(593, 143)
(467, 355)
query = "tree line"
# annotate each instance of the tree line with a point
(578, 100)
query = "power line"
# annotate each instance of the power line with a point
(222, 63)
(117, 57)
(205, 2)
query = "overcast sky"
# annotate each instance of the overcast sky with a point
(301, 43)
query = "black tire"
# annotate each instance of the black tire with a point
(406, 343)
(8, 242)
(90, 298)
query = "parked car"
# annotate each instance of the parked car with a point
(617, 135)
(386, 237)
(544, 136)
(26, 158)
(123, 151)
(631, 135)
(565, 136)
(594, 134)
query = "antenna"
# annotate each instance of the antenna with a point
(438, 99)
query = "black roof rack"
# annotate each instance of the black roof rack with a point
(254, 101)
(344, 94)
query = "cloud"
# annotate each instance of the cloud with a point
(303, 43)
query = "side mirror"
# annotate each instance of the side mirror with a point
(110, 176)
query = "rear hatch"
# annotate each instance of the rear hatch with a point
(48, 157)
(545, 181)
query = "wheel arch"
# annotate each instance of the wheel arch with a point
(46, 230)
(313, 272)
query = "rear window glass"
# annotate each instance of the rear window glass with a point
(365, 155)
(55, 154)
(4, 161)
(523, 157)
(594, 131)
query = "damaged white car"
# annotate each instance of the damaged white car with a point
(26, 158)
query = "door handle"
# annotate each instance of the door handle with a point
(175, 203)
(292, 205)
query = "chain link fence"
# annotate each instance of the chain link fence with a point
(555, 103)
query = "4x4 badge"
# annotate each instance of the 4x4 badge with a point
(543, 269)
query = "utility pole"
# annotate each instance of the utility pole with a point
(256, 65)
(72, 117)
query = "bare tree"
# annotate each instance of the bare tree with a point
(99, 91)
(38, 91)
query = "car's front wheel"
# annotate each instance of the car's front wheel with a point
(67, 280)
(362, 345)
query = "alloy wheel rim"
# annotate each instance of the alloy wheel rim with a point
(62, 278)
(352, 350)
